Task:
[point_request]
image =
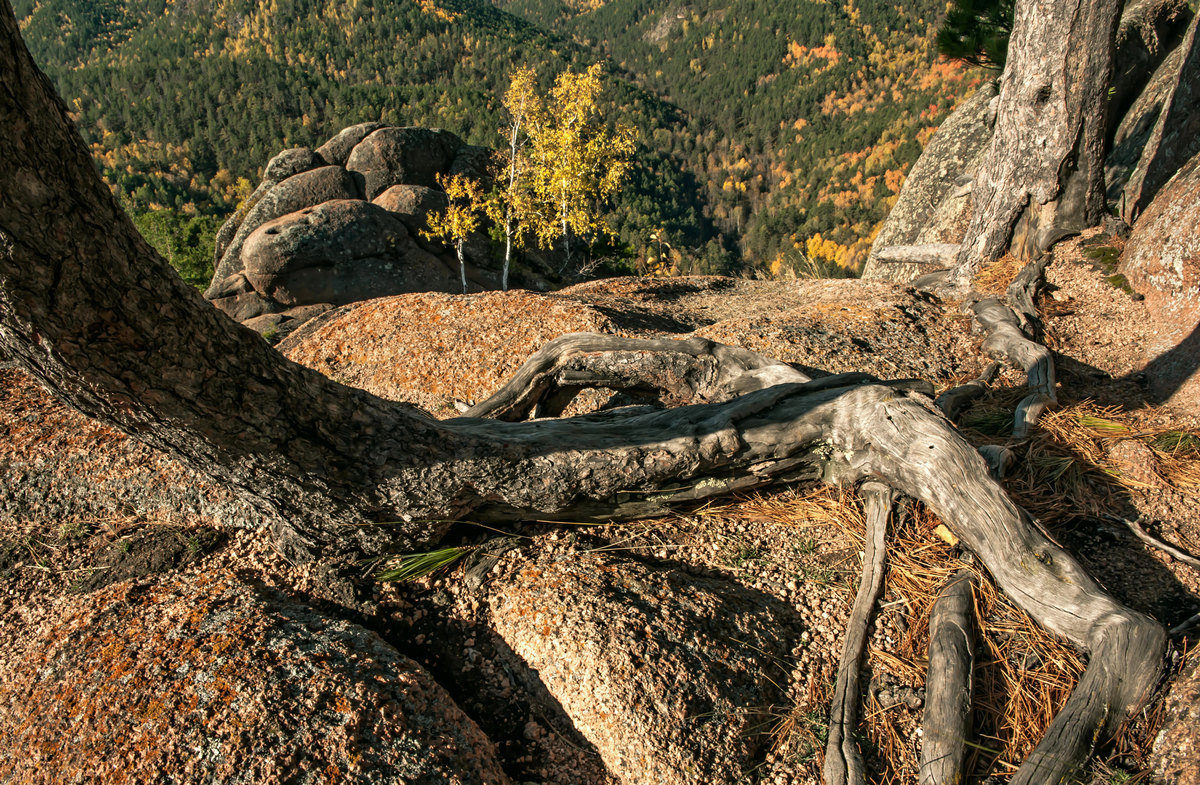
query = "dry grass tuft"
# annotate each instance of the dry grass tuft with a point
(1066, 470)
(801, 733)
(1023, 675)
(994, 279)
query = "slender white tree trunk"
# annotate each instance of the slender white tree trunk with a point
(462, 263)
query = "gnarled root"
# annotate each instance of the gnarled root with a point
(948, 685)
(850, 430)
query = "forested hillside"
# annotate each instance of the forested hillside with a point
(769, 135)
(804, 116)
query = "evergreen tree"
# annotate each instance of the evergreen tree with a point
(976, 32)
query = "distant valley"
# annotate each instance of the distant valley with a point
(772, 139)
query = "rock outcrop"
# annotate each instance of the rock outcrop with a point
(1162, 262)
(297, 241)
(213, 680)
(668, 675)
(1175, 136)
(1148, 31)
(934, 203)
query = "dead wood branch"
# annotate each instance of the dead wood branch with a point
(948, 686)
(843, 761)
(1145, 536)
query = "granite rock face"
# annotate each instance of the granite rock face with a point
(338, 149)
(668, 675)
(932, 203)
(1147, 32)
(291, 162)
(412, 204)
(1175, 136)
(216, 681)
(402, 156)
(1162, 262)
(297, 192)
(1176, 756)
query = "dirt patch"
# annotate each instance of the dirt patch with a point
(149, 551)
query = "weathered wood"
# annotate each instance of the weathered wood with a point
(1005, 339)
(1022, 295)
(696, 370)
(955, 401)
(843, 762)
(1125, 647)
(1045, 166)
(949, 684)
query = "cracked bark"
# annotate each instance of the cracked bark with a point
(1043, 175)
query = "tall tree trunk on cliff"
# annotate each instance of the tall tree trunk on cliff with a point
(1043, 176)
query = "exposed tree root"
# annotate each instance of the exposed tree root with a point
(1005, 339)
(948, 686)
(843, 761)
(956, 400)
(675, 372)
(866, 432)
(1145, 536)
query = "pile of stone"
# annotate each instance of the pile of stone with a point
(344, 223)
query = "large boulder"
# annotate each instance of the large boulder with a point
(338, 149)
(206, 679)
(667, 674)
(412, 204)
(1162, 262)
(395, 156)
(339, 252)
(932, 203)
(291, 162)
(1175, 137)
(306, 189)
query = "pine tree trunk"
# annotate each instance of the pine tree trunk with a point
(1043, 176)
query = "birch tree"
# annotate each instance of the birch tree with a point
(578, 163)
(460, 218)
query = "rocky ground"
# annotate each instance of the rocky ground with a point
(150, 627)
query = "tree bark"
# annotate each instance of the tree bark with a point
(1043, 176)
(89, 309)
